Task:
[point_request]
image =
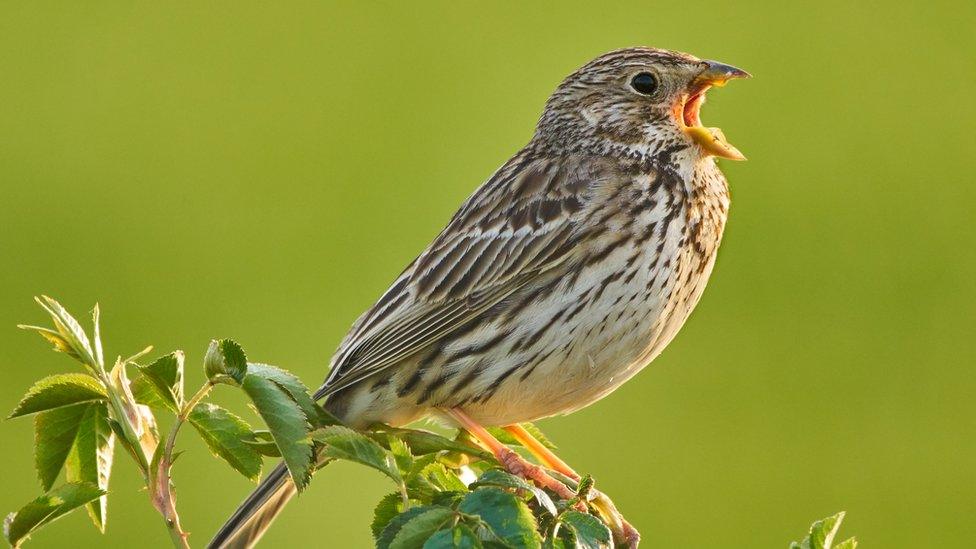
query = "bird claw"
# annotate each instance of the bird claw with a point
(520, 467)
(624, 534)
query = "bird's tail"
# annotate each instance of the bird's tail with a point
(246, 526)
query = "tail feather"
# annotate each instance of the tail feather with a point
(253, 517)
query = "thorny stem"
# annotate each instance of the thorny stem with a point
(164, 499)
(183, 415)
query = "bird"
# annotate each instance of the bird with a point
(564, 274)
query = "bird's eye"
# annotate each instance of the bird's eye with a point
(644, 83)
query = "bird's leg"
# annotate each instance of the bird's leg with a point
(622, 530)
(510, 460)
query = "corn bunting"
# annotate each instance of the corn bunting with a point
(563, 275)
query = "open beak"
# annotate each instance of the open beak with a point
(711, 140)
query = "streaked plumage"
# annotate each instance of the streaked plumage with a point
(563, 275)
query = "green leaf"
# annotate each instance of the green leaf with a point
(57, 391)
(70, 330)
(90, 460)
(420, 487)
(145, 392)
(344, 443)
(226, 435)
(507, 438)
(849, 543)
(588, 531)
(508, 516)
(61, 345)
(54, 435)
(263, 443)
(47, 508)
(448, 499)
(426, 478)
(325, 418)
(538, 435)
(288, 425)
(442, 478)
(166, 376)
(390, 506)
(401, 453)
(821, 534)
(501, 479)
(290, 383)
(225, 360)
(393, 527)
(425, 442)
(415, 531)
(459, 537)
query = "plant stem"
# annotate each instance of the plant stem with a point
(404, 495)
(183, 415)
(162, 487)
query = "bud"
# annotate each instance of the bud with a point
(225, 362)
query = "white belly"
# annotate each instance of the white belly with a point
(607, 341)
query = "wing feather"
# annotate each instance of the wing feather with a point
(520, 223)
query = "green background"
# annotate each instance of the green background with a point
(263, 171)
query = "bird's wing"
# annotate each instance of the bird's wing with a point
(520, 223)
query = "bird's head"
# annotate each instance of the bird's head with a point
(637, 99)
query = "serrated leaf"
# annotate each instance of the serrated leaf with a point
(401, 453)
(226, 435)
(54, 435)
(145, 392)
(47, 508)
(344, 443)
(588, 531)
(418, 485)
(442, 478)
(415, 531)
(263, 443)
(459, 537)
(166, 376)
(849, 543)
(289, 382)
(507, 516)
(423, 442)
(501, 479)
(57, 391)
(70, 330)
(90, 459)
(821, 534)
(287, 423)
(537, 434)
(225, 359)
(448, 499)
(390, 506)
(61, 345)
(325, 418)
(508, 438)
(393, 527)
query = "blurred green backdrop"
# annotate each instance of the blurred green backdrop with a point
(262, 172)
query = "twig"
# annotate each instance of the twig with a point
(164, 498)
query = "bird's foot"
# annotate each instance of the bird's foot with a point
(520, 467)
